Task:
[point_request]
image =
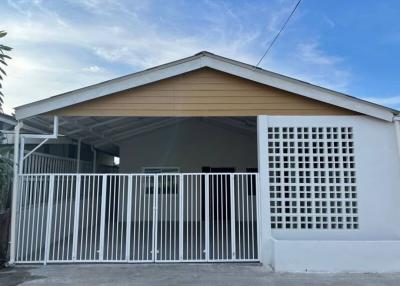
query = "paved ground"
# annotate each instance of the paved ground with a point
(186, 274)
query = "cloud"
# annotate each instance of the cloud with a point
(92, 69)
(311, 53)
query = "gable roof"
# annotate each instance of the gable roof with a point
(198, 61)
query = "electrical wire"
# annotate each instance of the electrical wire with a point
(280, 31)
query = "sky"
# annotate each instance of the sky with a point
(58, 46)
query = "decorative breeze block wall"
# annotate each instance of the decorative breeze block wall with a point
(312, 178)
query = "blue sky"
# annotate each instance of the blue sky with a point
(349, 46)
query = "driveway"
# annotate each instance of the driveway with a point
(184, 274)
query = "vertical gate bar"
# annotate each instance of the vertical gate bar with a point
(233, 218)
(162, 228)
(155, 215)
(243, 245)
(23, 237)
(65, 215)
(226, 190)
(247, 215)
(34, 223)
(42, 200)
(102, 216)
(187, 215)
(76, 217)
(128, 219)
(123, 210)
(21, 194)
(175, 217)
(191, 215)
(85, 206)
(258, 214)
(29, 228)
(195, 217)
(118, 202)
(92, 254)
(108, 236)
(149, 232)
(170, 215)
(60, 194)
(207, 215)
(49, 220)
(135, 206)
(239, 207)
(97, 183)
(201, 217)
(56, 213)
(165, 216)
(218, 191)
(181, 217)
(140, 250)
(252, 215)
(114, 190)
(69, 190)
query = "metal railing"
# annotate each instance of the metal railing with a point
(40, 163)
(183, 217)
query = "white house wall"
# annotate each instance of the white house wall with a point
(375, 245)
(190, 145)
(377, 174)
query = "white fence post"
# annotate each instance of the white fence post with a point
(128, 219)
(103, 216)
(181, 217)
(266, 244)
(233, 218)
(207, 215)
(155, 216)
(49, 219)
(76, 217)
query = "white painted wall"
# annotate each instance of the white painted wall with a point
(377, 174)
(337, 256)
(190, 145)
(375, 246)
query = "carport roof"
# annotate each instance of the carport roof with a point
(106, 133)
(195, 62)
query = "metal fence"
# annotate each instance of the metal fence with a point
(137, 218)
(46, 163)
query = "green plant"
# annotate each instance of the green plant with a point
(6, 171)
(3, 58)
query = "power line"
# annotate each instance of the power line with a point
(280, 31)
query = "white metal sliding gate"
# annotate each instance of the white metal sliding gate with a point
(137, 218)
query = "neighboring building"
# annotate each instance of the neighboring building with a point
(220, 161)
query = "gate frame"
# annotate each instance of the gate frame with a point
(155, 177)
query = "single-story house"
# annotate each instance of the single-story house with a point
(219, 161)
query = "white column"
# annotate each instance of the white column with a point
(21, 155)
(266, 241)
(14, 192)
(397, 130)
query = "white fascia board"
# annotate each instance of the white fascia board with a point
(109, 87)
(301, 88)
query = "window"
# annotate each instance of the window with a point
(312, 178)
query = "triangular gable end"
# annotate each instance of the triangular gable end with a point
(196, 62)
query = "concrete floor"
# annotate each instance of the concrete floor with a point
(183, 274)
